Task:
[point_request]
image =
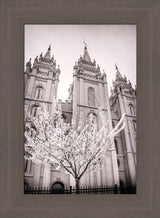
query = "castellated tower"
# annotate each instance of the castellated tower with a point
(41, 82)
(41, 86)
(123, 101)
(89, 92)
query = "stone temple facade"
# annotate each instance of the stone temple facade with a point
(87, 93)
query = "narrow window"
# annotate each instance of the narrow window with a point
(116, 146)
(92, 121)
(34, 111)
(63, 116)
(91, 96)
(39, 92)
(92, 118)
(26, 165)
(131, 109)
(134, 125)
(30, 170)
(118, 162)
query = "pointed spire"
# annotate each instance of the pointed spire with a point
(98, 68)
(28, 66)
(36, 59)
(118, 74)
(86, 56)
(48, 54)
(29, 63)
(41, 56)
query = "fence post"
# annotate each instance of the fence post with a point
(70, 189)
(116, 189)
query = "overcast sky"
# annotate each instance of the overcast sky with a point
(107, 44)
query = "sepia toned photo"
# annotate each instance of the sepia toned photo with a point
(80, 109)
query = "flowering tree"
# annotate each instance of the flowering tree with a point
(74, 150)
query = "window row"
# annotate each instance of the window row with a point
(91, 94)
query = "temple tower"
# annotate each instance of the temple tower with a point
(123, 101)
(41, 86)
(89, 92)
(41, 82)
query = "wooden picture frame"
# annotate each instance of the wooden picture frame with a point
(146, 15)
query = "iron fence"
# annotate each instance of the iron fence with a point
(83, 190)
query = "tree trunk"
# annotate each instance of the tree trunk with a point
(77, 185)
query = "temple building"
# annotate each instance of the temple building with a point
(87, 93)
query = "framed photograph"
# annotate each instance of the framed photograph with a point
(96, 147)
(80, 138)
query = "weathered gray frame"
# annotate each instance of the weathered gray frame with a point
(13, 15)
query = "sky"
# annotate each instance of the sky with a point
(107, 44)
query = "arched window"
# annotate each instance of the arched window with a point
(34, 110)
(39, 92)
(134, 125)
(92, 121)
(116, 146)
(63, 116)
(91, 96)
(131, 109)
(92, 118)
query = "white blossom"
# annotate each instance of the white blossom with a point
(73, 150)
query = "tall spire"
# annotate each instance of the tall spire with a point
(86, 56)
(28, 66)
(29, 63)
(118, 74)
(48, 54)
